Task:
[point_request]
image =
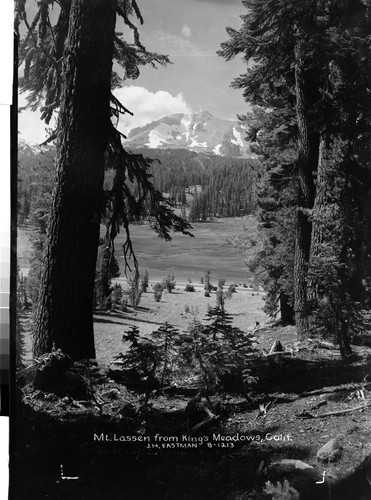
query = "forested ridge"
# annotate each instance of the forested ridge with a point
(202, 186)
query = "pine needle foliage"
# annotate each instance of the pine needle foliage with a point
(308, 64)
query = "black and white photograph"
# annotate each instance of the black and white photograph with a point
(191, 250)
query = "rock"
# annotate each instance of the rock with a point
(290, 468)
(330, 452)
(289, 463)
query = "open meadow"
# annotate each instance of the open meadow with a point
(245, 307)
(187, 259)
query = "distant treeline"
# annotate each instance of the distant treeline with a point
(204, 186)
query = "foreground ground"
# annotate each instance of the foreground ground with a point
(310, 395)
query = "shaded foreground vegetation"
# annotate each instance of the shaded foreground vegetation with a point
(296, 386)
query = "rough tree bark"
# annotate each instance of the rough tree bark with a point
(65, 316)
(308, 143)
(287, 311)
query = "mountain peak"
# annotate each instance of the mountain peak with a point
(200, 132)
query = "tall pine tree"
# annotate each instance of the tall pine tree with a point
(70, 65)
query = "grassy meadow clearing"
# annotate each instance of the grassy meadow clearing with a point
(245, 307)
(187, 259)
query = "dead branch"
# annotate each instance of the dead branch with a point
(341, 412)
(336, 389)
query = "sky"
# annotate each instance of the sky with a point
(190, 33)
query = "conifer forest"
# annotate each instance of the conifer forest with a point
(193, 289)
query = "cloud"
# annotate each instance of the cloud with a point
(147, 106)
(187, 32)
(30, 125)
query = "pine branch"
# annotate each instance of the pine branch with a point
(127, 21)
(42, 46)
(137, 11)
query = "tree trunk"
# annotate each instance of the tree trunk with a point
(322, 189)
(65, 316)
(308, 143)
(287, 311)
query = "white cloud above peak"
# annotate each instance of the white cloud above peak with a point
(147, 106)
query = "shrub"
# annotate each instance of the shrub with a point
(206, 280)
(142, 359)
(221, 283)
(135, 290)
(165, 340)
(169, 283)
(232, 289)
(124, 303)
(216, 351)
(144, 281)
(157, 291)
(116, 297)
(189, 288)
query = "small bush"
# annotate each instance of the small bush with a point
(135, 290)
(169, 283)
(158, 288)
(189, 288)
(206, 280)
(232, 289)
(206, 294)
(144, 282)
(221, 283)
(116, 297)
(186, 308)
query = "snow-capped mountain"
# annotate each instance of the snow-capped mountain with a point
(200, 132)
(26, 148)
